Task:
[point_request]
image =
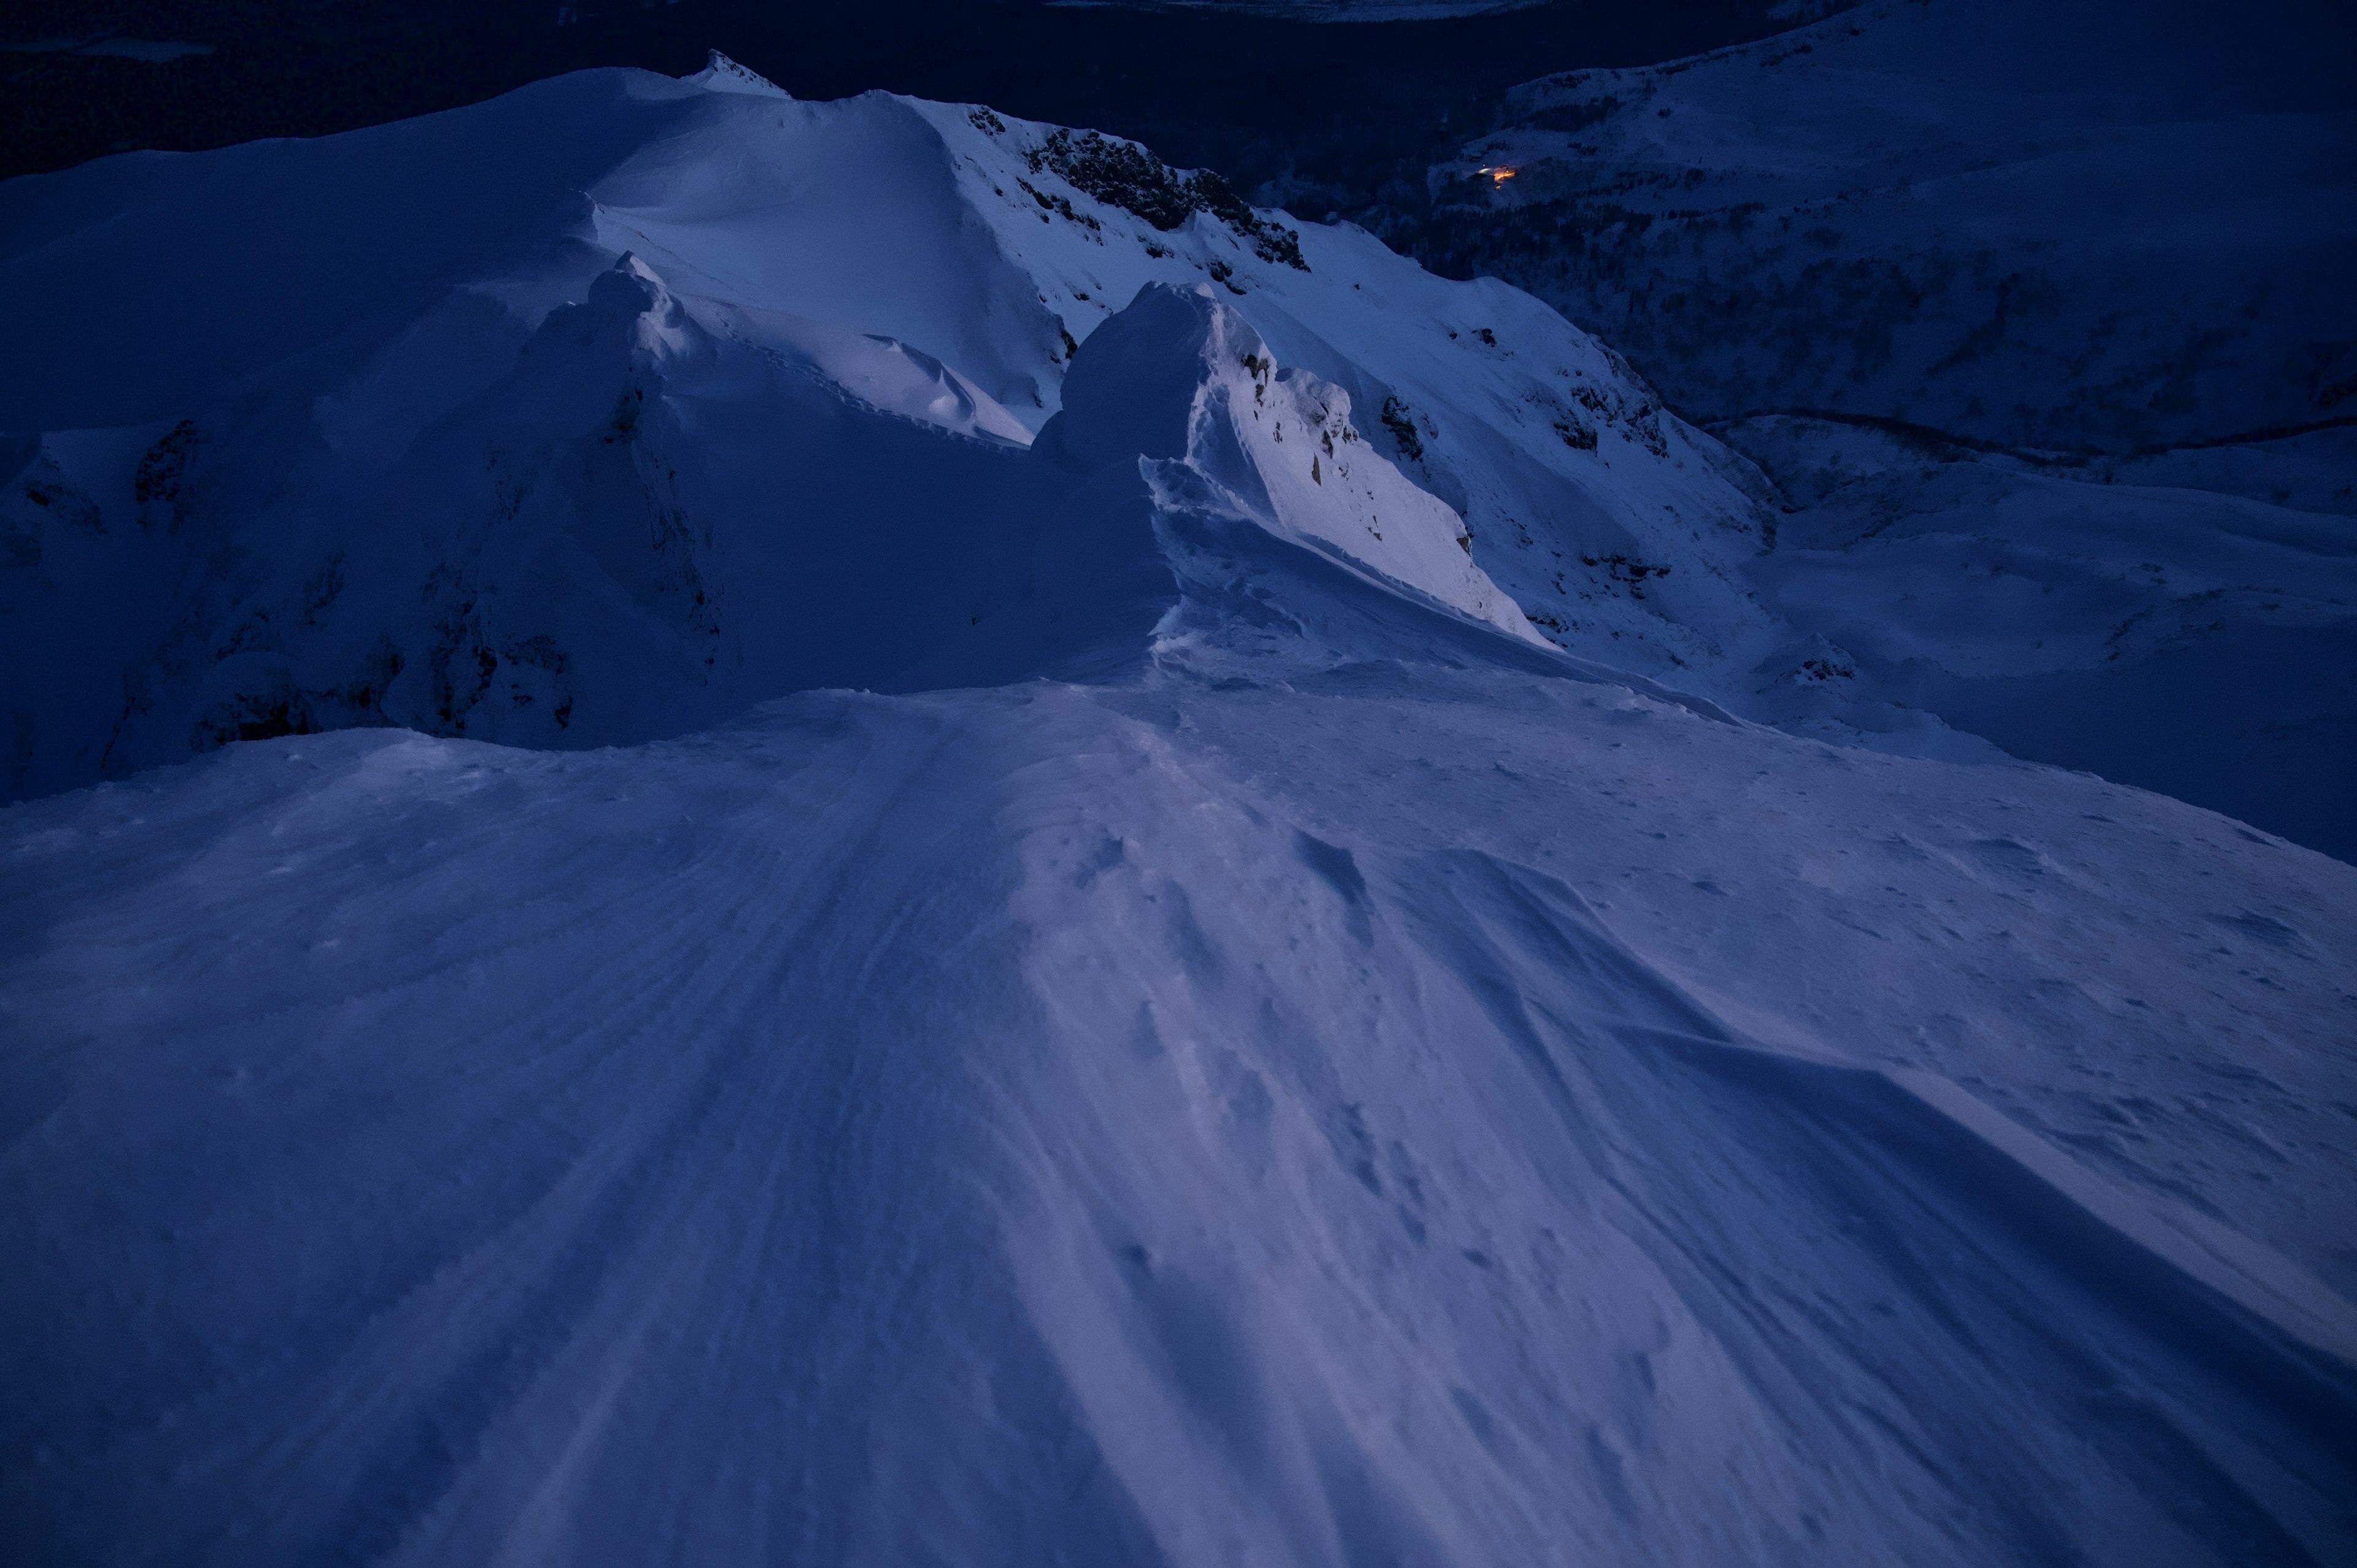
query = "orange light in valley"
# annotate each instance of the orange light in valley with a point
(1498, 175)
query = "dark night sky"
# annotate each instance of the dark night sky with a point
(1246, 95)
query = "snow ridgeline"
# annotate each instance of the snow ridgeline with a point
(1231, 1050)
(405, 468)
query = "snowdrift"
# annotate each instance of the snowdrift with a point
(915, 884)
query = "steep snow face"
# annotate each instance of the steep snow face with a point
(665, 514)
(2098, 224)
(1179, 376)
(341, 465)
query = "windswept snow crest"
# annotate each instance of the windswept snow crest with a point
(961, 909)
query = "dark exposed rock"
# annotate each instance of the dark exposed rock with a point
(1125, 175)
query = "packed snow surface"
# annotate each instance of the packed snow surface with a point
(1010, 945)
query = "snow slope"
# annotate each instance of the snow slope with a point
(2093, 224)
(2036, 316)
(1423, 1109)
(2149, 621)
(1010, 951)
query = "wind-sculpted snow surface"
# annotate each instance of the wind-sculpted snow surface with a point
(1384, 1116)
(1008, 951)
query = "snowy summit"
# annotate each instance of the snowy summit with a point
(903, 888)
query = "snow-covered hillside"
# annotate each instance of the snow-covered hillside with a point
(2186, 620)
(953, 854)
(2035, 315)
(2090, 224)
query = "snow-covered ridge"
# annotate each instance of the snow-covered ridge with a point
(325, 470)
(702, 395)
(1443, 1114)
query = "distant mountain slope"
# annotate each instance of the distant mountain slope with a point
(1256, 93)
(460, 424)
(2080, 225)
(2036, 316)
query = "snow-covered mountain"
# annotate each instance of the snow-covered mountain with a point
(2085, 225)
(398, 436)
(271, 488)
(957, 853)
(2036, 316)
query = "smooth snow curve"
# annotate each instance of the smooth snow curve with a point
(1212, 1043)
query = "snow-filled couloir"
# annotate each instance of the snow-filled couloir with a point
(909, 894)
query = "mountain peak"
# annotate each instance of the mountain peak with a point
(721, 74)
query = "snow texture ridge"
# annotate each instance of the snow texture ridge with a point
(1173, 1123)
